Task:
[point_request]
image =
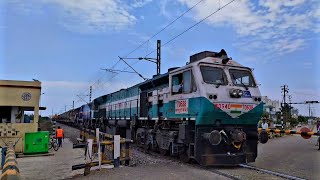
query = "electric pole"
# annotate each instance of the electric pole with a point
(290, 107)
(158, 56)
(90, 105)
(156, 60)
(285, 90)
(309, 110)
(311, 102)
(284, 106)
(90, 94)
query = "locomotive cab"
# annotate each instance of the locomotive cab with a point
(223, 99)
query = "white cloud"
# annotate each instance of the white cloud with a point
(140, 3)
(273, 26)
(94, 15)
(87, 16)
(163, 8)
(288, 45)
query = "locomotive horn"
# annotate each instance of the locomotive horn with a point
(224, 56)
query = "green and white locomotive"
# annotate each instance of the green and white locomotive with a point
(207, 110)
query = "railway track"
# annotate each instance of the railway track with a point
(270, 172)
(157, 155)
(216, 170)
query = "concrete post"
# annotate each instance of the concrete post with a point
(99, 148)
(116, 150)
(89, 155)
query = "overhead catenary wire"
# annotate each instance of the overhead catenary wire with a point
(172, 39)
(154, 35)
(172, 22)
(186, 30)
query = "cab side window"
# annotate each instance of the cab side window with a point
(183, 83)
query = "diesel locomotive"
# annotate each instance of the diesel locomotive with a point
(207, 111)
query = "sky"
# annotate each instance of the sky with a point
(66, 43)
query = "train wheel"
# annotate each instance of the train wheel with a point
(146, 147)
(138, 140)
(163, 152)
(184, 156)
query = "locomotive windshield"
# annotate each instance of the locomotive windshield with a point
(242, 78)
(213, 75)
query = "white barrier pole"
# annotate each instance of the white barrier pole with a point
(116, 150)
(99, 148)
(89, 151)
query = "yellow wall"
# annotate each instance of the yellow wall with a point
(22, 128)
(11, 93)
(24, 94)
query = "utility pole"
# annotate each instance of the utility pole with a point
(157, 61)
(72, 105)
(290, 107)
(90, 105)
(284, 106)
(285, 90)
(311, 102)
(90, 94)
(158, 57)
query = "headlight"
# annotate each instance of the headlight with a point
(233, 92)
(240, 92)
(236, 93)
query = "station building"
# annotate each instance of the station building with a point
(18, 98)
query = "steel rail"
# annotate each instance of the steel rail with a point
(270, 172)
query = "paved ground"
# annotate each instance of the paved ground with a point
(167, 171)
(290, 155)
(52, 167)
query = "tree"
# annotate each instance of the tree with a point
(293, 121)
(266, 114)
(302, 119)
